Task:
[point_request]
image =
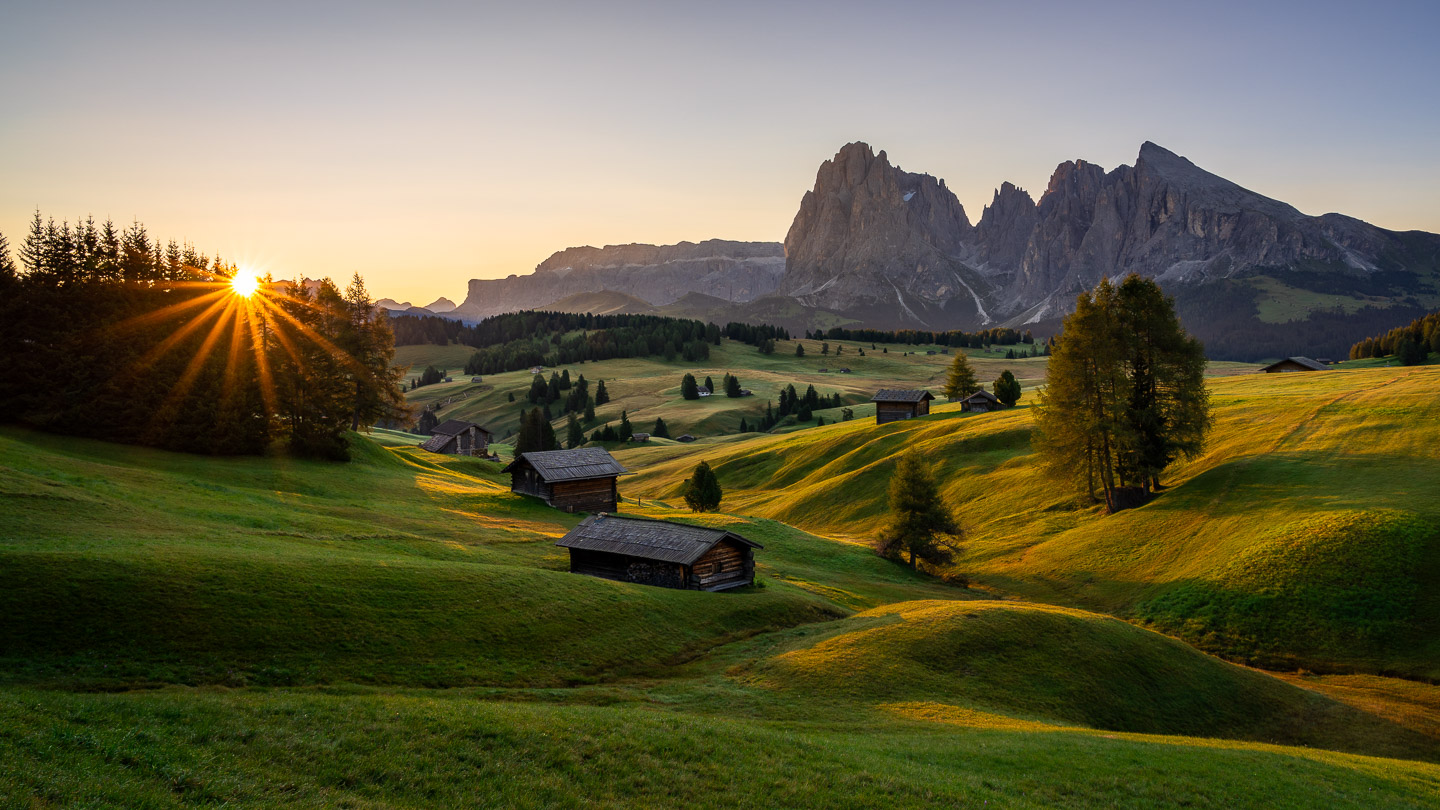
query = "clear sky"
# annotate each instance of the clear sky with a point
(423, 144)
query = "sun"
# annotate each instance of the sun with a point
(244, 283)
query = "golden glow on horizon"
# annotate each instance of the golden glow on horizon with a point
(244, 283)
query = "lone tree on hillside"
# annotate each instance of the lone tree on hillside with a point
(688, 388)
(574, 436)
(702, 490)
(921, 526)
(1125, 394)
(799, 350)
(660, 431)
(1007, 388)
(961, 382)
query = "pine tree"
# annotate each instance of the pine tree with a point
(702, 491)
(961, 381)
(824, 348)
(744, 428)
(688, 387)
(601, 395)
(538, 390)
(921, 526)
(732, 387)
(709, 385)
(1007, 388)
(574, 436)
(626, 431)
(565, 384)
(547, 436)
(660, 431)
(8, 273)
(799, 350)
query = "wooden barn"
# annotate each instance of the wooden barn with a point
(654, 552)
(981, 401)
(894, 405)
(1295, 364)
(581, 480)
(458, 438)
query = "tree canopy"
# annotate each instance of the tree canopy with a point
(702, 491)
(1007, 388)
(920, 526)
(961, 380)
(1125, 393)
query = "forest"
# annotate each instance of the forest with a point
(111, 334)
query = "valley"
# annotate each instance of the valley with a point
(218, 630)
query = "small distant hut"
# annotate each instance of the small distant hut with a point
(640, 437)
(1295, 364)
(536, 369)
(458, 438)
(582, 480)
(844, 371)
(746, 392)
(656, 552)
(476, 379)
(704, 391)
(687, 438)
(894, 405)
(981, 401)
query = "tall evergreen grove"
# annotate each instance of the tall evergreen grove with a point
(1125, 394)
(131, 339)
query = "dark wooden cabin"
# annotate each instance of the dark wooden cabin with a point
(581, 480)
(458, 438)
(654, 552)
(1295, 364)
(981, 401)
(894, 405)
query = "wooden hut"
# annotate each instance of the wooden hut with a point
(655, 552)
(894, 405)
(687, 438)
(1295, 364)
(574, 480)
(639, 437)
(458, 438)
(981, 401)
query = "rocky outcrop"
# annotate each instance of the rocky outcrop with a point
(870, 236)
(655, 274)
(870, 233)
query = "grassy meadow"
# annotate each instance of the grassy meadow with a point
(401, 631)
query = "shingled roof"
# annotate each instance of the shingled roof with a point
(1313, 365)
(571, 465)
(900, 395)
(454, 427)
(982, 394)
(647, 539)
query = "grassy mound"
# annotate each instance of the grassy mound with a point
(1332, 447)
(1062, 666)
(1345, 585)
(267, 748)
(122, 566)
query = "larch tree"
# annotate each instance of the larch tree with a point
(1125, 394)
(960, 382)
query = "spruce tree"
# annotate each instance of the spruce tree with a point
(732, 386)
(961, 380)
(799, 350)
(601, 395)
(702, 491)
(660, 431)
(547, 436)
(574, 436)
(709, 385)
(1007, 388)
(626, 431)
(688, 388)
(921, 526)
(589, 413)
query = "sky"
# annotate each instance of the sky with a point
(424, 144)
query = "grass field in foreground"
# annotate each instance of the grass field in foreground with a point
(1306, 535)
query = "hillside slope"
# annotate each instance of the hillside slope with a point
(1304, 536)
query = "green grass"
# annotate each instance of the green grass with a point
(1206, 557)
(401, 630)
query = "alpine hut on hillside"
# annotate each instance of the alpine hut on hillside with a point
(654, 552)
(981, 401)
(458, 438)
(894, 405)
(574, 480)
(1295, 364)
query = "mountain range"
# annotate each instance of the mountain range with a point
(875, 245)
